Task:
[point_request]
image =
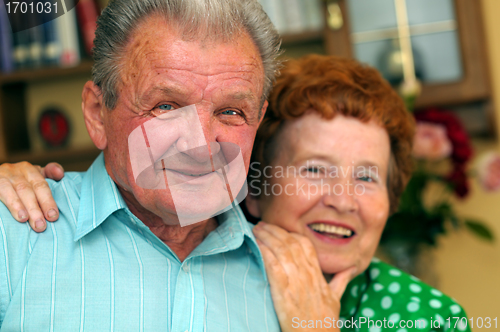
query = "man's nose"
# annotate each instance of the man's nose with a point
(199, 143)
(342, 196)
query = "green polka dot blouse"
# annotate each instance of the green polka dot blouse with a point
(384, 298)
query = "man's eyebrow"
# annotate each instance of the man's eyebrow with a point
(242, 95)
(170, 90)
(163, 90)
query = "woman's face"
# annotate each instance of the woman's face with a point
(328, 183)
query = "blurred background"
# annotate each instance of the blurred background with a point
(443, 56)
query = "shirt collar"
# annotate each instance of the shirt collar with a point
(99, 198)
(232, 232)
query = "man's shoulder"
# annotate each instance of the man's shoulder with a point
(71, 182)
(15, 235)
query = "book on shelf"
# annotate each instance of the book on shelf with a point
(35, 39)
(52, 44)
(20, 50)
(6, 59)
(68, 35)
(52, 40)
(87, 12)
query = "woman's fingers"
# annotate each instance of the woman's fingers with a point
(53, 171)
(280, 245)
(27, 195)
(41, 188)
(26, 192)
(42, 197)
(11, 199)
(309, 252)
(278, 279)
(298, 287)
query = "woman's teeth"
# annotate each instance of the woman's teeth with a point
(332, 230)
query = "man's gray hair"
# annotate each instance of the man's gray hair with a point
(216, 19)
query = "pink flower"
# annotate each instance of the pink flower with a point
(431, 142)
(489, 171)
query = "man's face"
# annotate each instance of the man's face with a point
(162, 72)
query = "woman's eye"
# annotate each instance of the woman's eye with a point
(315, 172)
(313, 169)
(366, 179)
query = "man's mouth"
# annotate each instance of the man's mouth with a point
(335, 232)
(188, 173)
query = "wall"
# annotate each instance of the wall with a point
(468, 268)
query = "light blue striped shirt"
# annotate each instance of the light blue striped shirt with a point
(99, 268)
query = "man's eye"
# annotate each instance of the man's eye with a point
(231, 117)
(162, 109)
(166, 107)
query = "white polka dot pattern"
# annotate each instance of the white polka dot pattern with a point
(384, 292)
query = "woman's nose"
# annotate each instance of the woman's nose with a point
(342, 196)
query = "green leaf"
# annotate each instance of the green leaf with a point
(479, 229)
(411, 200)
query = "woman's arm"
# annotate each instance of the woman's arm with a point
(26, 193)
(298, 287)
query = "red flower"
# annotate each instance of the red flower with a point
(459, 181)
(462, 149)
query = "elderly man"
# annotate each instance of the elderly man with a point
(118, 259)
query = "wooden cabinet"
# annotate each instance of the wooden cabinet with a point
(472, 87)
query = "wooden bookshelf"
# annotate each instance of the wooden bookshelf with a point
(27, 76)
(14, 139)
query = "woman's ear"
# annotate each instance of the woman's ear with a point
(93, 108)
(252, 204)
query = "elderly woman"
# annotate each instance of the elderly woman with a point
(331, 159)
(330, 162)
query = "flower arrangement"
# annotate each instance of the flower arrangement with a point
(440, 140)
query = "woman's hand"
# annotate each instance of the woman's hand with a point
(27, 195)
(298, 287)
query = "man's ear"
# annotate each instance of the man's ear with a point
(263, 111)
(93, 108)
(252, 204)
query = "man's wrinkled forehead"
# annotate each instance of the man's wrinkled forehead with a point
(156, 31)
